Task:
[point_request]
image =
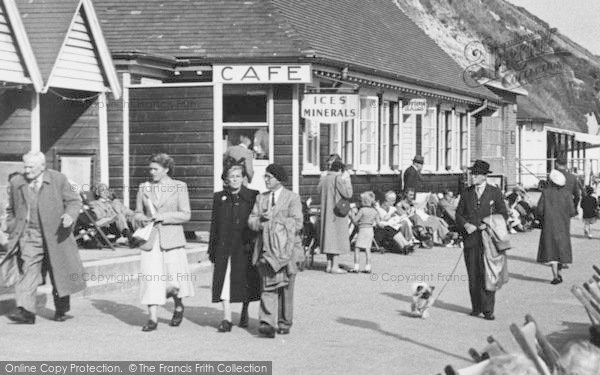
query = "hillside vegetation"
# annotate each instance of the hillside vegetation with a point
(565, 94)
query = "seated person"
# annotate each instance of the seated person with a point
(438, 227)
(390, 231)
(106, 208)
(447, 205)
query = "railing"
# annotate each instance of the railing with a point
(531, 171)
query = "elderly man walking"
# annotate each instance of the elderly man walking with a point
(41, 212)
(277, 214)
(477, 202)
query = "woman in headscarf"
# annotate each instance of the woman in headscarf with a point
(231, 244)
(555, 209)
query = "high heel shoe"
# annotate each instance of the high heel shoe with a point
(177, 317)
(151, 325)
(225, 326)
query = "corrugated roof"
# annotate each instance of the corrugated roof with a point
(526, 110)
(46, 23)
(374, 35)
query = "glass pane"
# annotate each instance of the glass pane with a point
(249, 106)
(258, 138)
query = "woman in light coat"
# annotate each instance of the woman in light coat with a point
(335, 238)
(164, 266)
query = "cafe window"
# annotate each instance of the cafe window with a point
(395, 135)
(464, 140)
(428, 139)
(245, 113)
(367, 134)
(441, 141)
(449, 139)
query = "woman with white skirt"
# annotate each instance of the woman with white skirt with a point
(164, 266)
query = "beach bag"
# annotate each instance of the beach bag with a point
(342, 206)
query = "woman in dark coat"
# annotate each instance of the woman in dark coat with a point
(555, 209)
(230, 247)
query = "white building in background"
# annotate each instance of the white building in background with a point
(540, 142)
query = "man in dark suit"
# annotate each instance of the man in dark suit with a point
(478, 201)
(572, 185)
(412, 175)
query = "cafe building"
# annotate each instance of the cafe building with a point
(303, 79)
(56, 74)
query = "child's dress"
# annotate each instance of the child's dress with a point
(365, 218)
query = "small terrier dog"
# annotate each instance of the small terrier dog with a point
(421, 300)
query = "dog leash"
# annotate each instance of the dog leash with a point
(449, 278)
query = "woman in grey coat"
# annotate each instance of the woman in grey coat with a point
(334, 229)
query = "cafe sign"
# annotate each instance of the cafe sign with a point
(262, 73)
(330, 108)
(415, 107)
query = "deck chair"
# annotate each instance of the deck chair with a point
(593, 288)
(493, 349)
(588, 302)
(596, 269)
(535, 346)
(475, 369)
(93, 227)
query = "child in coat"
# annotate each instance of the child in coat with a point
(589, 204)
(366, 217)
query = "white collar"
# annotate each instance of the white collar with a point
(277, 193)
(244, 145)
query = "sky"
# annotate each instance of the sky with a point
(577, 19)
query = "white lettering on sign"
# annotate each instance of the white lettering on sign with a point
(330, 108)
(283, 73)
(415, 107)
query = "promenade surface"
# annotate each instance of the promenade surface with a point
(343, 324)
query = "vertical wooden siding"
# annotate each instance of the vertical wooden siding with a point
(15, 122)
(178, 121)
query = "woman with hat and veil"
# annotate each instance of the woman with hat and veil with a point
(555, 209)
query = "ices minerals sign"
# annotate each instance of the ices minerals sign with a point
(330, 108)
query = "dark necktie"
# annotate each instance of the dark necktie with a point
(272, 199)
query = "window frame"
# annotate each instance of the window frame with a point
(430, 118)
(375, 137)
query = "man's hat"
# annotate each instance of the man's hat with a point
(557, 177)
(278, 172)
(480, 167)
(419, 159)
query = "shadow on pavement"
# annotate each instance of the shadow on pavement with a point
(581, 236)
(522, 259)
(518, 276)
(128, 314)
(438, 303)
(375, 327)
(212, 317)
(571, 331)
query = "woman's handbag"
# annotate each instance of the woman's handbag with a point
(143, 234)
(342, 206)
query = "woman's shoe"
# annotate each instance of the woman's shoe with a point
(560, 278)
(225, 326)
(367, 269)
(556, 281)
(355, 269)
(177, 318)
(151, 325)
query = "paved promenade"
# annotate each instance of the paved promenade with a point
(342, 324)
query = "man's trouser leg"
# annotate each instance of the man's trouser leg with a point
(286, 304)
(32, 256)
(61, 304)
(471, 262)
(268, 307)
